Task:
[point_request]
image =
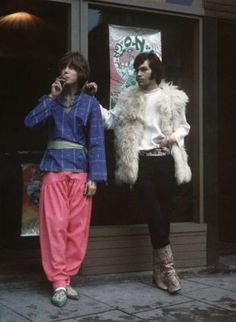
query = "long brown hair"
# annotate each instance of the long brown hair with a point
(76, 61)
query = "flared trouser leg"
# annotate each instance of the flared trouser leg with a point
(64, 225)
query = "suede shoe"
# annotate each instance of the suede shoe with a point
(59, 297)
(72, 293)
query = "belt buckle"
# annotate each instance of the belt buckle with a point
(154, 152)
(149, 153)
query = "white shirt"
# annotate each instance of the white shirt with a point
(152, 130)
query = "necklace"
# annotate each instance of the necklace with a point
(69, 101)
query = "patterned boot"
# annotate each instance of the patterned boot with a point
(167, 267)
(158, 276)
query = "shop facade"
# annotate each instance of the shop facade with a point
(119, 239)
(124, 227)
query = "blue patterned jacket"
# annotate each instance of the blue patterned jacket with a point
(83, 125)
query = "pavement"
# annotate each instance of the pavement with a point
(208, 295)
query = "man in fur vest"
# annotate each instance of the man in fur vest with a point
(149, 125)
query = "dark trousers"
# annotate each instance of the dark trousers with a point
(156, 188)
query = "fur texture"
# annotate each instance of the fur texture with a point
(129, 128)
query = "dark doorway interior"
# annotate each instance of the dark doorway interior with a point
(227, 131)
(29, 50)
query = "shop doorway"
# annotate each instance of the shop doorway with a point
(34, 34)
(227, 131)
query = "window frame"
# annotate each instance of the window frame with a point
(79, 41)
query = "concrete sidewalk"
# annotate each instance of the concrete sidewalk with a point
(207, 296)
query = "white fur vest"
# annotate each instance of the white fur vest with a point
(129, 126)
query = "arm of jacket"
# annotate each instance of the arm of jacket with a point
(96, 145)
(182, 130)
(108, 117)
(180, 124)
(40, 113)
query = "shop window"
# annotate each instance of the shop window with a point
(114, 204)
(227, 130)
(34, 34)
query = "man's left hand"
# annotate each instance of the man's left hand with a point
(162, 142)
(90, 188)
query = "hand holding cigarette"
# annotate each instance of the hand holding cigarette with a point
(57, 87)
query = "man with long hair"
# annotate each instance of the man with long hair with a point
(149, 126)
(73, 163)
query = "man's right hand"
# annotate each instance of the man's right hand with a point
(57, 87)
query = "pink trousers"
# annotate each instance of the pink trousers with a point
(64, 225)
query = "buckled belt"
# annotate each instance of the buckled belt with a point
(155, 152)
(64, 145)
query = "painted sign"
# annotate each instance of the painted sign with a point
(124, 44)
(31, 191)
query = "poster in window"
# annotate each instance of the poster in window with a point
(30, 206)
(124, 45)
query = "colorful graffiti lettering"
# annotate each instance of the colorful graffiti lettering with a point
(125, 44)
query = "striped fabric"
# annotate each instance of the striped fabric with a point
(81, 124)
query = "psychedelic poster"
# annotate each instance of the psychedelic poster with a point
(30, 201)
(124, 45)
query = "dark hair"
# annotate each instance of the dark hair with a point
(154, 63)
(76, 61)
